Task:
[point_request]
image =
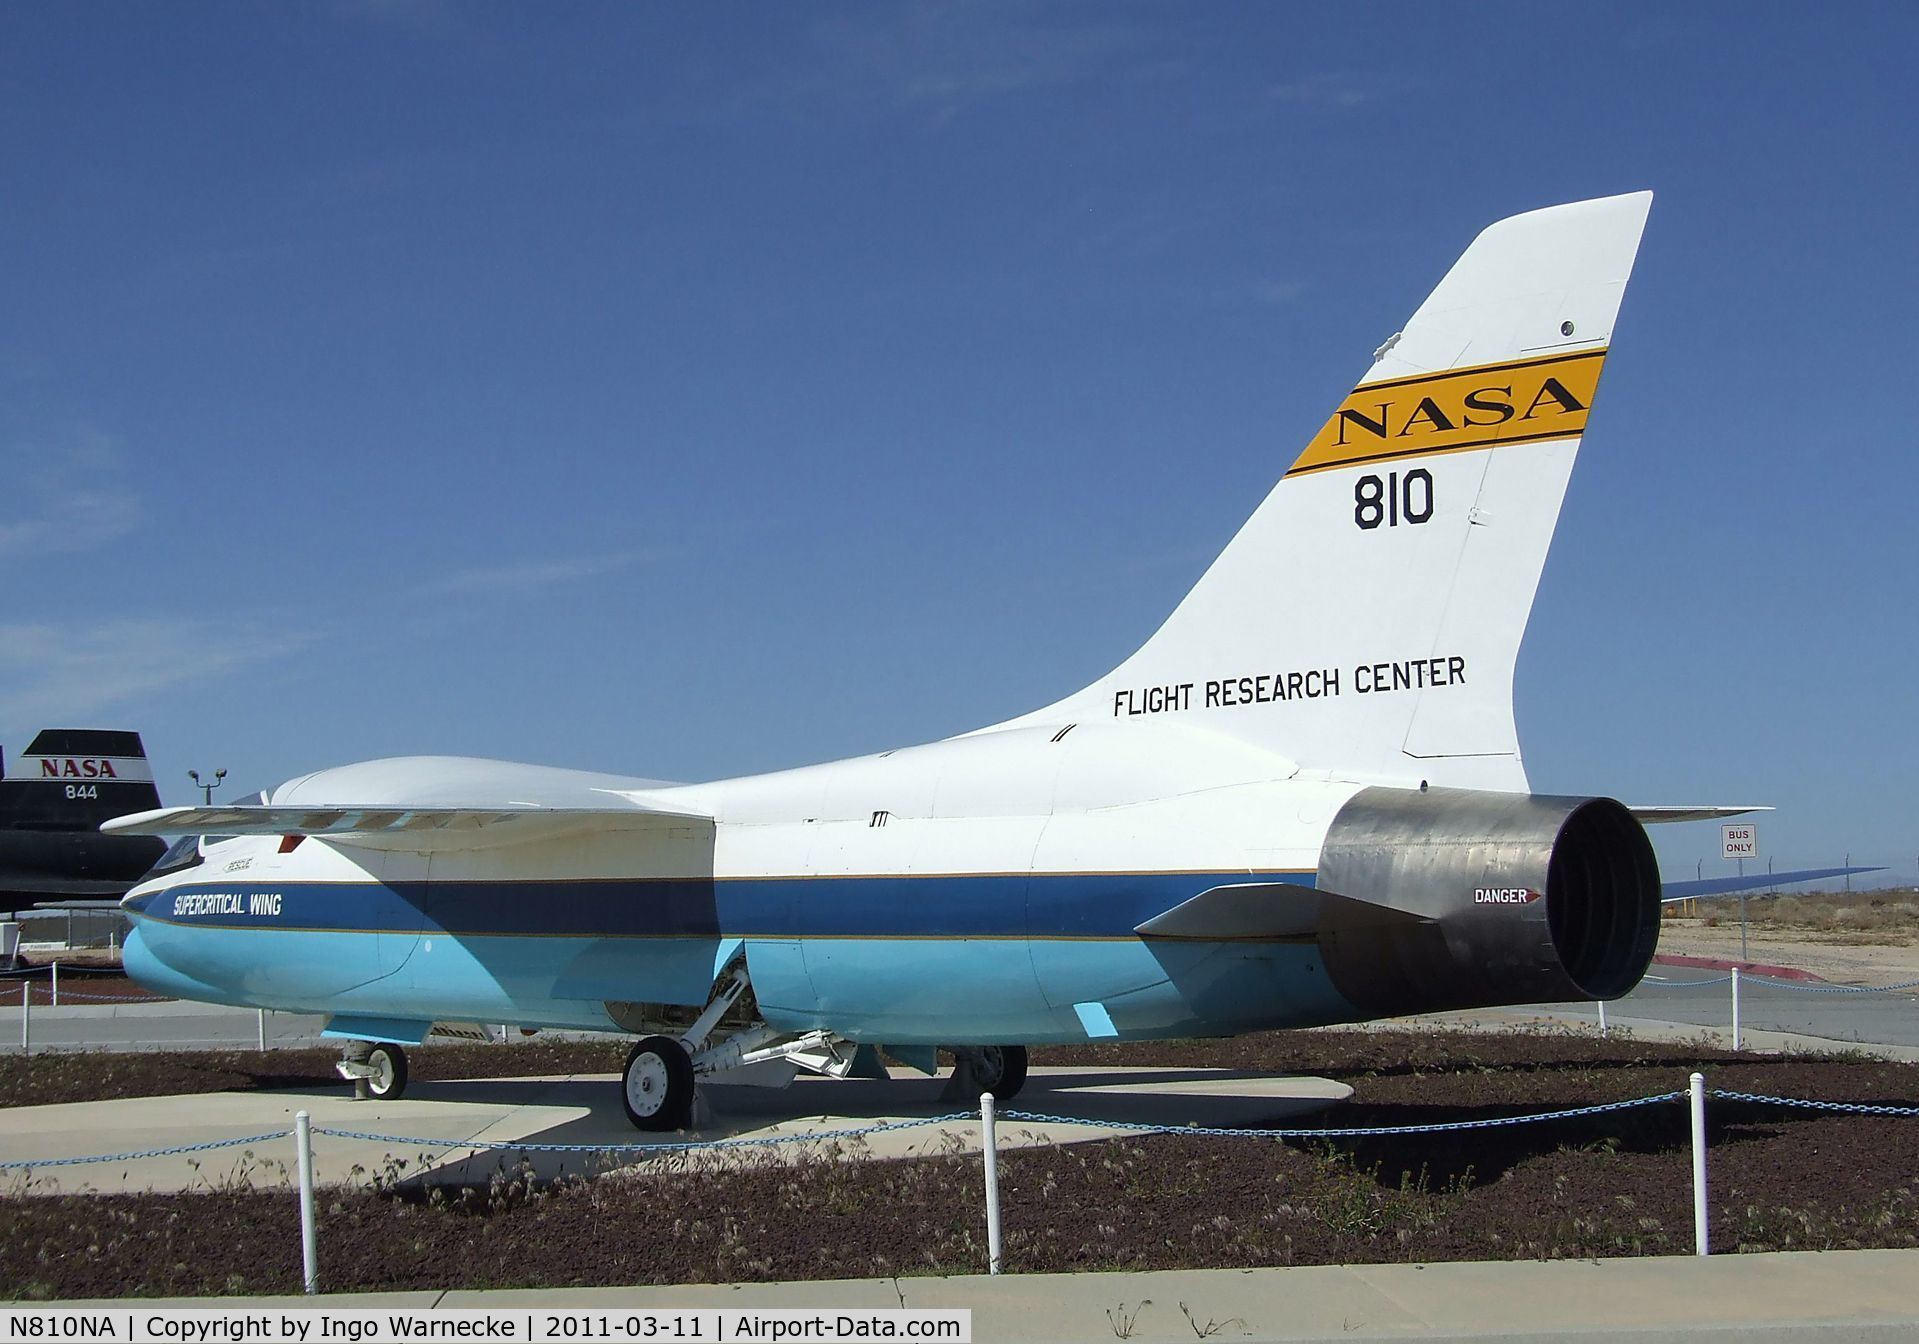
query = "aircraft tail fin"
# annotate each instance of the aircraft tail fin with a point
(1365, 621)
(72, 779)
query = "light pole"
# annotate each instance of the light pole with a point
(207, 786)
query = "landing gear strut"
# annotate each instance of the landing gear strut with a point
(729, 1042)
(376, 1069)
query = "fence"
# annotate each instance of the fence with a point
(303, 1130)
(1738, 979)
(56, 995)
(70, 927)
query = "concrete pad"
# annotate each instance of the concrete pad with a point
(826, 1295)
(1321, 1301)
(1835, 1295)
(473, 1125)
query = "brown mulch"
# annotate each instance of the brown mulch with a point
(1606, 1185)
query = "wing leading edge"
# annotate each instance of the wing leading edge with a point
(404, 827)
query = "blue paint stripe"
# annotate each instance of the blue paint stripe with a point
(1046, 905)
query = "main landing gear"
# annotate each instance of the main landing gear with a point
(376, 1069)
(660, 1085)
(999, 1069)
(657, 1086)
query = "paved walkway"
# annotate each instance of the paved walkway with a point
(1836, 1296)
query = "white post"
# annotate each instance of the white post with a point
(263, 1031)
(1698, 1089)
(989, 1149)
(309, 1253)
(1602, 1017)
(1735, 1008)
(26, 1001)
(56, 984)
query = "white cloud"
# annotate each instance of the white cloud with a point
(434, 18)
(70, 495)
(1278, 291)
(1326, 89)
(950, 58)
(530, 575)
(52, 673)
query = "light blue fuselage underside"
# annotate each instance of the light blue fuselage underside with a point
(907, 961)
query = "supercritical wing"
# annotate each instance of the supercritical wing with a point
(432, 803)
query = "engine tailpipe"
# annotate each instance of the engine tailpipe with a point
(1516, 898)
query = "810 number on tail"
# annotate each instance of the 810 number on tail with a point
(1396, 499)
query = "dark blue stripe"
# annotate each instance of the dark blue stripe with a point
(1051, 905)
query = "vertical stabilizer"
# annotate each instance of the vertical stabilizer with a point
(1366, 619)
(72, 779)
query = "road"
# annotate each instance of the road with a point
(1688, 997)
(1670, 996)
(167, 1025)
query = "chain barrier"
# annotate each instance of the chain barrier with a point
(1843, 1107)
(766, 1141)
(147, 1152)
(960, 1117)
(1835, 989)
(68, 970)
(1650, 983)
(1775, 982)
(1349, 1132)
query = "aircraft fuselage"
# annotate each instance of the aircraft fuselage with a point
(884, 898)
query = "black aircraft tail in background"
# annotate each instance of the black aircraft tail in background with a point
(72, 779)
(53, 797)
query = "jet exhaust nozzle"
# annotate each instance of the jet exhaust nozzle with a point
(1513, 898)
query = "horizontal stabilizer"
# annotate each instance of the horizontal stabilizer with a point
(1722, 886)
(1653, 816)
(397, 828)
(1267, 912)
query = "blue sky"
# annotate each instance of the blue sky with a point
(696, 390)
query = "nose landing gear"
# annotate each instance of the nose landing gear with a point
(376, 1069)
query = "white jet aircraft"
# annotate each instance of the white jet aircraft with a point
(1300, 802)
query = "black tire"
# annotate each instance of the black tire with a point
(387, 1082)
(1001, 1070)
(656, 1087)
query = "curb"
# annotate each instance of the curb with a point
(1743, 967)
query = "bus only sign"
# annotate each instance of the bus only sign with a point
(1741, 842)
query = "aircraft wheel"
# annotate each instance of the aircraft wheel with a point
(657, 1086)
(1001, 1070)
(388, 1079)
